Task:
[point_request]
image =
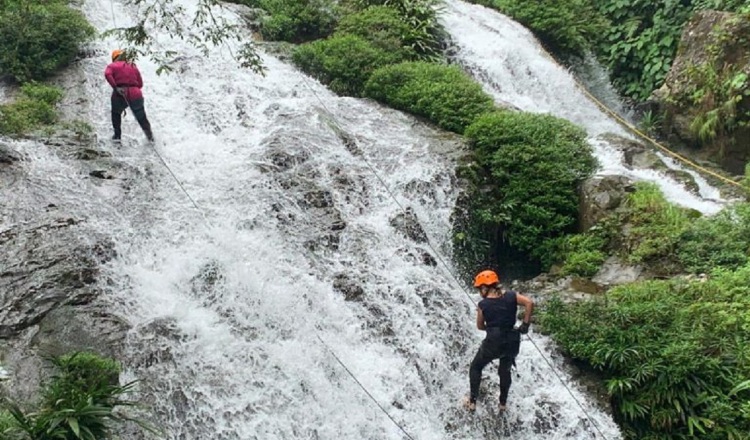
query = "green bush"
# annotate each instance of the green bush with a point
(719, 241)
(37, 39)
(532, 166)
(82, 376)
(343, 62)
(567, 28)
(443, 94)
(383, 27)
(78, 403)
(583, 254)
(297, 21)
(426, 34)
(675, 355)
(35, 108)
(656, 226)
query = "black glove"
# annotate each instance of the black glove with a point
(120, 91)
(523, 328)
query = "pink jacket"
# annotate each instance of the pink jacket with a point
(124, 74)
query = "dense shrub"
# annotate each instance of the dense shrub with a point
(583, 254)
(655, 227)
(297, 21)
(37, 38)
(531, 166)
(344, 62)
(675, 355)
(426, 35)
(443, 94)
(35, 108)
(567, 28)
(719, 241)
(382, 26)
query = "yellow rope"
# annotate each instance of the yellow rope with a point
(654, 142)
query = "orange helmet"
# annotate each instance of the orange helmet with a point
(486, 278)
(116, 54)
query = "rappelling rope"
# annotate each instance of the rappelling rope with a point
(654, 142)
(337, 128)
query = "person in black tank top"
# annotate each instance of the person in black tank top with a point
(496, 314)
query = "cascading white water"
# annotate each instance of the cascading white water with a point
(513, 67)
(232, 300)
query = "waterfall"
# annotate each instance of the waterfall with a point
(268, 292)
(515, 69)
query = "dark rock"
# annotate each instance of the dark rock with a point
(350, 288)
(90, 154)
(407, 223)
(600, 196)
(101, 174)
(44, 266)
(8, 155)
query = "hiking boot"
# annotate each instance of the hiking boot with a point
(502, 407)
(116, 138)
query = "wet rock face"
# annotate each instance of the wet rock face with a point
(43, 266)
(349, 287)
(407, 223)
(714, 40)
(8, 155)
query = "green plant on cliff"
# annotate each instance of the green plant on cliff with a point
(716, 90)
(78, 403)
(675, 355)
(34, 109)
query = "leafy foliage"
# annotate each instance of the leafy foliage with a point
(656, 226)
(297, 21)
(642, 41)
(567, 28)
(382, 26)
(203, 30)
(39, 37)
(583, 254)
(344, 62)
(716, 89)
(426, 33)
(77, 404)
(35, 108)
(719, 241)
(530, 169)
(443, 94)
(674, 354)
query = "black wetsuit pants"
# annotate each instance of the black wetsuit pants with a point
(119, 104)
(499, 344)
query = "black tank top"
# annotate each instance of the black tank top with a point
(500, 312)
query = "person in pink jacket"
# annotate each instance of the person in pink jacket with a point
(126, 83)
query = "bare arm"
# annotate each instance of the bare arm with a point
(528, 305)
(480, 320)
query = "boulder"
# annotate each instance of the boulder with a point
(600, 196)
